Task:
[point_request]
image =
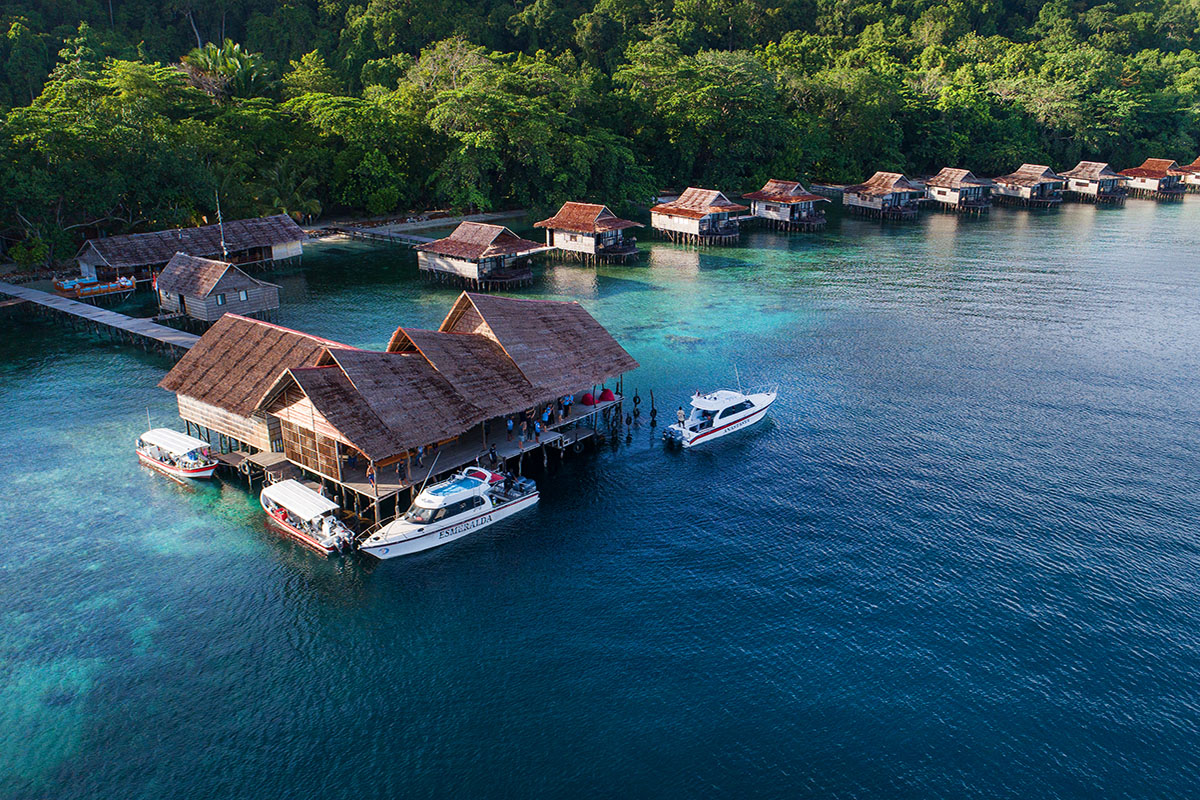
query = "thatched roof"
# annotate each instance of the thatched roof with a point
(381, 403)
(476, 366)
(950, 178)
(197, 277)
(882, 184)
(1090, 171)
(476, 241)
(697, 203)
(1152, 168)
(1030, 175)
(559, 347)
(147, 249)
(238, 359)
(591, 218)
(1192, 167)
(786, 192)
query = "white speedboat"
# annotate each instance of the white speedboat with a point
(472, 499)
(176, 454)
(307, 516)
(718, 414)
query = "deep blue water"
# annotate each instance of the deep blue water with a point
(960, 560)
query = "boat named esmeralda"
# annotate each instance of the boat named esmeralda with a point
(718, 414)
(470, 500)
(175, 454)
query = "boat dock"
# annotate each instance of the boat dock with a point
(145, 333)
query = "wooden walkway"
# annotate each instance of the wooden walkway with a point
(382, 236)
(144, 332)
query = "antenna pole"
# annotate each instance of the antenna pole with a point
(429, 474)
(221, 225)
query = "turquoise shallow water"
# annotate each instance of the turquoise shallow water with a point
(960, 560)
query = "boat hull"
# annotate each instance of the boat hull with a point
(449, 533)
(298, 535)
(176, 472)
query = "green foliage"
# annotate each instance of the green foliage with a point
(386, 105)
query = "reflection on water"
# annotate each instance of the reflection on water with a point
(962, 552)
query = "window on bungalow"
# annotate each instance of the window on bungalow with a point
(243, 295)
(220, 299)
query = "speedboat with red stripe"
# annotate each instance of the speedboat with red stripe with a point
(305, 515)
(176, 454)
(718, 414)
(471, 500)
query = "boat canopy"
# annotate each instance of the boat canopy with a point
(173, 442)
(715, 401)
(299, 499)
(451, 491)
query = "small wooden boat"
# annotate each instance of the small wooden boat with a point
(718, 414)
(91, 288)
(471, 500)
(176, 454)
(305, 515)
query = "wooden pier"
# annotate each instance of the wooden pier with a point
(145, 333)
(392, 237)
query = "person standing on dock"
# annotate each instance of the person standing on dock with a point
(521, 435)
(546, 416)
(537, 431)
(371, 474)
(566, 404)
(508, 422)
(421, 456)
(493, 457)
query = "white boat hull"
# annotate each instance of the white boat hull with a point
(299, 535)
(754, 416)
(176, 472)
(432, 537)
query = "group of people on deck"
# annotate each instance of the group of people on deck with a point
(531, 424)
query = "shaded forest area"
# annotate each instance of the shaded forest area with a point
(126, 116)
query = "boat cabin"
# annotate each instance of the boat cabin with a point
(204, 289)
(1157, 178)
(1094, 182)
(698, 216)
(1031, 185)
(306, 515)
(886, 195)
(960, 191)
(787, 205)
(175, 453)
(590, 232)
(480, 256)
(244, 241)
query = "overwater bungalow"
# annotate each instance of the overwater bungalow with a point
(1032, 185)
(887, 195)
(203, 289)
(960, 191)
(590, 232)
(480, 256)
(241, 242)
(369, 425)
(220, 380)
(787, 205)
(1190, 175)
(1156, 178)
(698, 216)
(1094, 182)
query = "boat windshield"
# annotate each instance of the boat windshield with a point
(421, 515)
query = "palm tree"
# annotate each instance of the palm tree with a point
(226, 70)
(283, 190)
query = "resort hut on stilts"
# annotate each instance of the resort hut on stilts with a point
(1033, 185)
(698, 216)
(1190, 175)
(958, 190)
(1094, 182)
(787, 206)
(589, 232)
(886, 196)
(480, 256)
(203, 289)
(1156, 179)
